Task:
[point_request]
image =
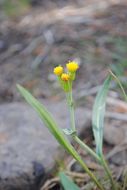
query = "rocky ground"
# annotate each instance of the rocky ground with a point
(30, 46)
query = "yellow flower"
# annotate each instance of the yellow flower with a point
(72, 66)
(65, 77)
(58, 70)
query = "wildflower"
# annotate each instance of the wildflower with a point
(65, 77)
(58, 70)
(72, 66)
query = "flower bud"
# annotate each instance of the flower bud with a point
(72, 66)
(58, 70)
(65, 77)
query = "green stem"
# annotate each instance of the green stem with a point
(90, 174)
(86, 148)
(107, 169)
(118, 81)
(72, 118)
(100, 160)
(83, 145)
(71, 108)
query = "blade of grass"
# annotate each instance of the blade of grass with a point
(55, 130)
(98, 115)
(109, 174)
(119, 83)
(98, 125)
(67, 183)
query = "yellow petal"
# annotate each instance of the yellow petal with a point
(58, 70)
(65, 77)
(72, 66)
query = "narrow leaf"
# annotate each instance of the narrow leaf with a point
(46, 118)
(67, 183)
(49, 121)
(98, 115)
(55, 130)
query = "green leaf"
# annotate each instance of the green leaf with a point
(46, 118)
(49, 122)
(67, 183)
(55, 130)
(98, 115)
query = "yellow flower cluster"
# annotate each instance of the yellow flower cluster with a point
(71, 66)
(66, 78)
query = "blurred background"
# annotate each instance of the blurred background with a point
(36, 35)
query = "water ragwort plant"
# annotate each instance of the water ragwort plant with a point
(66, 78)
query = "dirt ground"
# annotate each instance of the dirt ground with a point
(94, 33)
(32, 44)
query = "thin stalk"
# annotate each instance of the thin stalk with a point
(107, 169)
(83, 145)
(86, 148)
(90, 174)
(125, 182)
(100, 160)
(71, 109)
(72, 121)
(118, 81)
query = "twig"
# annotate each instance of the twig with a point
(49, 182)
(70, 164)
